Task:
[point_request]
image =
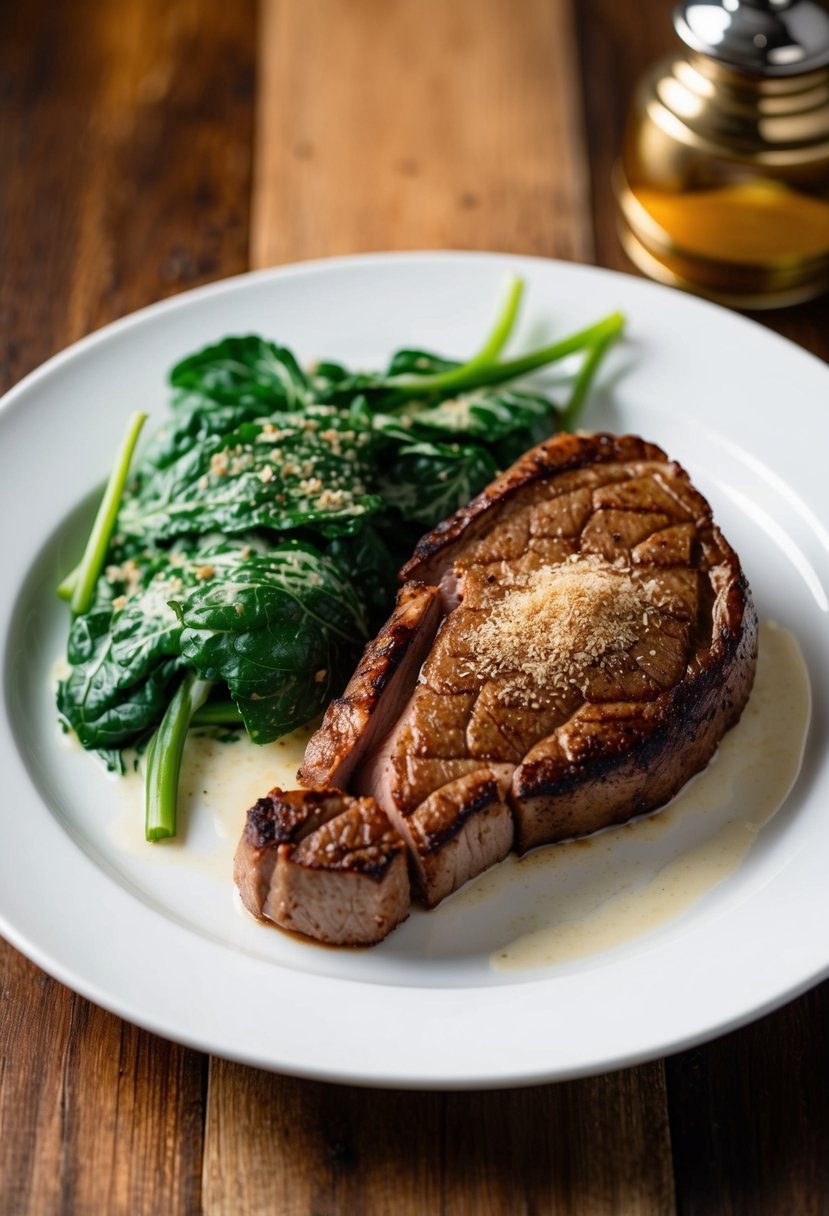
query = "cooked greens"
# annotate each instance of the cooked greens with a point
(164, 757)
(234, 574)
(243, 371)
(274, 627)
(124, 653)
(79, 586)
(304, 470)
(427, 481)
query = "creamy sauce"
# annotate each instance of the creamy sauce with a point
(624, 882)
(219, 781)
(61, 669)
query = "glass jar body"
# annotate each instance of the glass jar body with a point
(723, 183)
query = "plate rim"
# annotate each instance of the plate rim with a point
(352, 260)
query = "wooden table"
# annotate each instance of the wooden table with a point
(148, 146)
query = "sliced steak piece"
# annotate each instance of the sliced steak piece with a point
(597, 639)
(323, 864)
(377, 691)
(278, 818)
(458, 831)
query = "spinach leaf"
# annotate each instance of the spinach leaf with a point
(370, 561)
(409, 361)
(108, 705)
(221, 387)
(486, 414)
(335, 385)
(145, 628)
(238, 371)
(124, 655)
(280, 628)
(194, 420)
(305, 470)
(325, 379)
(507, 450)
(428, 481)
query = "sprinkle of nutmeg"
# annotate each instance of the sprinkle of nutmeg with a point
(554, 624)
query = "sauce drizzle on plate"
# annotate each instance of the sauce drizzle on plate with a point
(683, 851)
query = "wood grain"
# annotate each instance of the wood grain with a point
(127, 131)
(418, 124)
(750, 1114)
(125, 140)
(584, 1148)
(96, 1116)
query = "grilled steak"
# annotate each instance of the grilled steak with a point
(387, 671)
(323, 864)
(565, 653)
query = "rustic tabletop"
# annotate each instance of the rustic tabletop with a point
(148, 147)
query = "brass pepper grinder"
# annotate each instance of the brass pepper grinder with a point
(723, 184)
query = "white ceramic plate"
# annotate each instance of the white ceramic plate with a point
(162, 945)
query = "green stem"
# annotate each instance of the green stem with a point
(67, 585)
(164, 758)
(79, 586)
(494, 343)
(217, 713)
(460, 378)
(500, 332)
(584, 380)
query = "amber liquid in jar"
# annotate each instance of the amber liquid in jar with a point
(757, 223)
(723, 185)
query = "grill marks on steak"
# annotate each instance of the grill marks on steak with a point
(323, 864)
(377, 691)
(477, 752)
(459, 830)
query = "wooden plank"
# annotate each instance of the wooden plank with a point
(128, 129)
(397, 124)
(126, 137)
(405, 124)
(750, 1114)
(586, 1148)
(294, 1147)
(95, 1115)
(617, 43)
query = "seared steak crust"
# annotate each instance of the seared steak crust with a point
(278, 818)
(598, 638)
(562, 454)
(388, 667)
(621, 760)
(323, 864)
(459, 830)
